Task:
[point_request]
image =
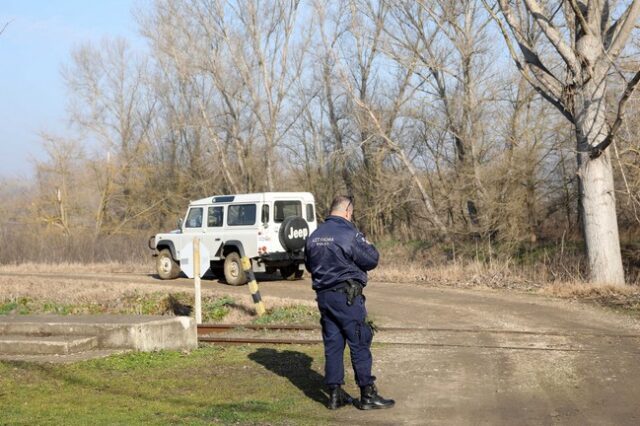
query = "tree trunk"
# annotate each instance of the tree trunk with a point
(595, 176)
(599, 221)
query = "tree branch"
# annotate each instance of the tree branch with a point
(553, 35)
(597, 150)
(583, 22)
(551, 83)
(543, 83)
(4, 27)
(620, 31)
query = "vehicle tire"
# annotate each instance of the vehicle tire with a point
(233, 273)
(293, 233)
(167, 268)
(291, 272)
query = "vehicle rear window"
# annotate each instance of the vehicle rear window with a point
(284, 209)
(265, 213)
(310, 215)
(241, 214)
(215, 217)
(194, 219)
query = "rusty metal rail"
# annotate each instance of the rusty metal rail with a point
(256, 341)
(210, 333)
(204, 329)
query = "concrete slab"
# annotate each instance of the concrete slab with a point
(137, 332)
(63, 359)
(52, 345)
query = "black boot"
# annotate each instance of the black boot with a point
(369, 399)
(338, 398)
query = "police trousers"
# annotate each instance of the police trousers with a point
(345, 324)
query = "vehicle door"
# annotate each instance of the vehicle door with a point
(193, 227)
(214, 231)
(241, 226)
(282, 209)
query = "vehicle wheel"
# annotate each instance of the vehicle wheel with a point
(233, 273)
(291, 272)
(166, 267)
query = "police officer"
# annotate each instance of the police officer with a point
(338, 258)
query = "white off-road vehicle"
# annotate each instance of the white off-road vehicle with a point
(270, 228)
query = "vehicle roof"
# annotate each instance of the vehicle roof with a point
(256, 197)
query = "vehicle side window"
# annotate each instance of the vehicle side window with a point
(215, 216)
(241, 214)
(265, 213)
(310, 216)
(284, 209)
(194, 218)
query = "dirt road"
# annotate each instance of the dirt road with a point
(484, 357)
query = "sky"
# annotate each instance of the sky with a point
(36, 43)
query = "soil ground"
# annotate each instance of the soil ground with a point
(484, 357)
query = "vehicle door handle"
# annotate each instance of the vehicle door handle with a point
(217, 239)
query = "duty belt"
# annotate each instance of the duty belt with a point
(351, 288)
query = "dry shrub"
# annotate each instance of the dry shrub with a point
(24, 243)
(470, 263)
(79, 268)
(474, 264)
(627, 298)
(458, 274)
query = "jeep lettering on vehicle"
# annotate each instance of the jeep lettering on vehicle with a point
(298, 233)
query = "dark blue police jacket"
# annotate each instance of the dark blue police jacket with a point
(336, 252)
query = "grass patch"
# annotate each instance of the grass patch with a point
(20, 306)
(212, 385)
(295, 314)
(7, 308)
(214, 308)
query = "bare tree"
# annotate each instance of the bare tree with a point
(447, 39)
(110, 102)
(242, 58)
(57, 178)
(188, 126)
(378, 108)
(331, 27)
(586, 43)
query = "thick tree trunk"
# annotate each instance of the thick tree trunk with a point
(595, 178)
(599, 221)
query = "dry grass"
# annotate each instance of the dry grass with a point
(523, 268)
(78, 268)
(86, 284)
(464, 275)
(625, 298)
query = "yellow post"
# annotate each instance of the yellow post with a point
(253, 286)
(196, 277)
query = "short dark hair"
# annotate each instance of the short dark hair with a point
(339, 201)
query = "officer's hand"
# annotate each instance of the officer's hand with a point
(362, 238)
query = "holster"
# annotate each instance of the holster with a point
(352, 289)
